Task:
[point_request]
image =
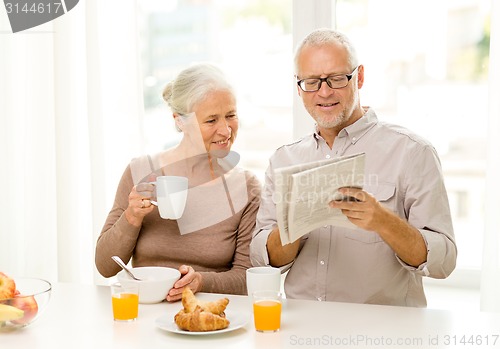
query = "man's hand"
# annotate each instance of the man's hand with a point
(367, 213)
(361, 208)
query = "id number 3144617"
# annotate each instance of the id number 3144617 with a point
(34, 7)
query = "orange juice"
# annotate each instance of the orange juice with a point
(267, 315)
(125, 306)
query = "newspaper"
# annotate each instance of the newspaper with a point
(302, 194)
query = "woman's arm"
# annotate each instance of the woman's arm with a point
(118, 236)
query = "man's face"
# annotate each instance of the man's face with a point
(330, 108)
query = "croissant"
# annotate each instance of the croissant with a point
(189, 302)
(200, 321)
(200, 316)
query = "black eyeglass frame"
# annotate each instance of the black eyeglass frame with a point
(322, 80)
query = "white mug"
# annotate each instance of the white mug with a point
(171, 195)
(263, 279)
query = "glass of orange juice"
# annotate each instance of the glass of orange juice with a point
(267, 311)
(125, 301)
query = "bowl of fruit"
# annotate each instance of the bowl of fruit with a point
(22, 300)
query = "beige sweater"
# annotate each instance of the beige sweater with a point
(219, 250)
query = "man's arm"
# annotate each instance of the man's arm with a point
(281, 255)
(405, 240)
(367, 213)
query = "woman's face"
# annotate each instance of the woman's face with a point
(218, 122)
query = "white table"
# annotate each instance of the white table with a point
(80, 316)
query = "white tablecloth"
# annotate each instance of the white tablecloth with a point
(80, 316)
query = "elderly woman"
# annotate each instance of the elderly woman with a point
(209, 244)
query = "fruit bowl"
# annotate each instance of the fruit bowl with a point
(31, 298)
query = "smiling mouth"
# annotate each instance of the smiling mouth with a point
(327, 104)
(224, 142)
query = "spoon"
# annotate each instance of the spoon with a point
(119, 261)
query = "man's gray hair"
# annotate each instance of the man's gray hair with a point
(325, 36)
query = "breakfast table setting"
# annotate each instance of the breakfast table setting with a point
(81, 316)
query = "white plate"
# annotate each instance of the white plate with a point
(167, 323)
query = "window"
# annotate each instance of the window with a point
(250, 39)
(426, 66)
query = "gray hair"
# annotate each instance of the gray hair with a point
(326, 36)
(192, 85)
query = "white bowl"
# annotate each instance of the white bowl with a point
(155, 283)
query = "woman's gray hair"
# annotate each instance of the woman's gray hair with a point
(192, 85)
(325, 36)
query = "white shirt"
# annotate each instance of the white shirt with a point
(403, 172)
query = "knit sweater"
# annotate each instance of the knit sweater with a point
(212, 236)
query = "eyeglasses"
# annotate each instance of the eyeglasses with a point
(333, 81)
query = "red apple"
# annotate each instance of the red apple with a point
(7, 286)
(26, 303)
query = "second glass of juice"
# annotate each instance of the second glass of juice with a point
(125, 301)
(267, 311)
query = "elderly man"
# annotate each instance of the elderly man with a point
(403, 229)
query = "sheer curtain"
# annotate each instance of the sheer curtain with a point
(71, 111)
(490, 274)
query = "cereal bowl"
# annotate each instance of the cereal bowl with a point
(155, 282)
(29, 302)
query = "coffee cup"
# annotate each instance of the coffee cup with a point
(263, 279)
(171, 195)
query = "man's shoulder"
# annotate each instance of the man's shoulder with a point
(304, 142)
(295, 152)
(403, 132)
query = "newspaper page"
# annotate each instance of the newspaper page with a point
(304, 191)
(281, 197)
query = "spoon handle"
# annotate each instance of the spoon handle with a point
(119, 261)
